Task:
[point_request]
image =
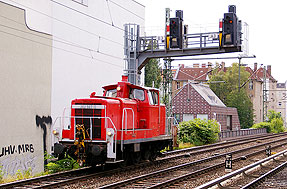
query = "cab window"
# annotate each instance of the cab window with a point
(153, 98)
(137, 94)
(111, 93)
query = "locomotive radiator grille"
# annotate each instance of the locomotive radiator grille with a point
(86, 117)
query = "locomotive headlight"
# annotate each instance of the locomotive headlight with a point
(55, 132)
(118, 88)
(109, 133)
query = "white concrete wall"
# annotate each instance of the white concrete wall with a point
(25, 105)
(40, 79)
(98, 29)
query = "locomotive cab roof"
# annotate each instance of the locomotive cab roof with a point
(124, 87)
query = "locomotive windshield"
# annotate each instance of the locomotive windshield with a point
(137, 94)
(111, 93)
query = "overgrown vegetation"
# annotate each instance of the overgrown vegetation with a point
(1, 174)
(274, 123)
(52, 167)
(62, 165)
(198, 132)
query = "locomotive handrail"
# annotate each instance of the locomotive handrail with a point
(122, 130)
(125, 110)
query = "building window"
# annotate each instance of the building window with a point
(187, 117)
(202, 116)
(280, 103)
(176, 118)
(251, 85)
(177, 85)
(83, 2)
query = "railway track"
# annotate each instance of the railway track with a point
(266, 173)
(68, 177)
(172, 175)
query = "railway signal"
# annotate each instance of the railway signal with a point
(229, 26)
(176, 30)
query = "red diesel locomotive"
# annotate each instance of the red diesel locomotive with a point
(127, 124)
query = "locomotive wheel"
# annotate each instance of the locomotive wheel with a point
(145, 154)
(153, 155)
(136, 157)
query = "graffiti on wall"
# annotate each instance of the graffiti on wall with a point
(16, 149)
(43, 123)
(10, 165)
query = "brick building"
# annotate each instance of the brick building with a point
(198, 101)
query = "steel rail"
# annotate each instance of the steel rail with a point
(185, 165)
(48, 178)
(207, 169)
(262, 178)
(239, 171)
(216, 146)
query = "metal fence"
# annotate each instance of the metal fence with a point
(242, 132)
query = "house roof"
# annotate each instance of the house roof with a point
(208, 95)
(198, 74)
(205, 92)
(259, 74)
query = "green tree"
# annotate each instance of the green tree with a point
(242, 102)
(230, 78)
(153, 73)
(229, 94)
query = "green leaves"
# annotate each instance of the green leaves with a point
(62, 165)
(152, 73)
(198, 132)
(274, 124)
(229, 94)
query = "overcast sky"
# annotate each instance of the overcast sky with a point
(266, 20)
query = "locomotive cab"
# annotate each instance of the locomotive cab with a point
(126, 124)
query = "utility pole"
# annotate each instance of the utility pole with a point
(167, 91)
(264, 95)
(239, 62)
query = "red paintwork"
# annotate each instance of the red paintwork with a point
(149, 120)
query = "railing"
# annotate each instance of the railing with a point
(241, 132)
(197, 40)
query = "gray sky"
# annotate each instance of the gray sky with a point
(263, 17)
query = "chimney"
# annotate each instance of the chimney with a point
(209, 65)
(222, 65)
(195, 65)
(181, 65)
(269, 69)
(255, 66)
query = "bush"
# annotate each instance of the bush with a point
(62, 165)
(266, 125)
(198, 132)
(277, 125)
